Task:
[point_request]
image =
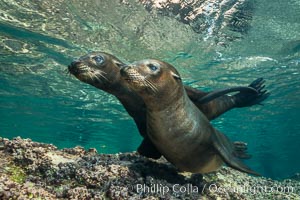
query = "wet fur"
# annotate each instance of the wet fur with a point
(174, 124)
(107, 78)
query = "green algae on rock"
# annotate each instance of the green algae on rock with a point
(16, 173)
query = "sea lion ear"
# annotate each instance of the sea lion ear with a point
(176, 76)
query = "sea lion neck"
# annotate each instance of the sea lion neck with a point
(128, 98)
(171, 96)
(114, 85)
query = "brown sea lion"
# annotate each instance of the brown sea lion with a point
(179, 130)
(102, 70)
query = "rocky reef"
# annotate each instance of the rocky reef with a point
(32, 170)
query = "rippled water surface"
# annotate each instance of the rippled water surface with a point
(38, 99)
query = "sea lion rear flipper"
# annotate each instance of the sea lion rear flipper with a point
(218, 93)
(148, 149)
(240, 150)
(226, 150)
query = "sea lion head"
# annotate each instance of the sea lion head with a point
(99, 69)
(152, 78)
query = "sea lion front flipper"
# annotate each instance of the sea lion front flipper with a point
(226, 150)
(148, 149)
(244, 99)
(218, 93)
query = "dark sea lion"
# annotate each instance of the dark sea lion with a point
(102, 70)
(179, 130)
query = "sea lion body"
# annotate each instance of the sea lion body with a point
(193, 150)
(179, 130)
(102, 70)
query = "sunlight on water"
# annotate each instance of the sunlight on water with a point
(41, 101)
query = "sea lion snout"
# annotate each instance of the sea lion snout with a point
(124, 69)
(130, 73)
(75, 63)
(73, 67)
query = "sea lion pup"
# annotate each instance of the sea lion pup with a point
(102, 70)
(178, 129)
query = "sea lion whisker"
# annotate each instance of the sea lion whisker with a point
(90, 75)
(148, 83)
(103, 72)
(152, 86)
(97, 78)
(99, 73)
(94, 77)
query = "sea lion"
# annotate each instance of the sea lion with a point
(102, 70)
(178, 129)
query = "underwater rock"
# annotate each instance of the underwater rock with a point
(30, 170)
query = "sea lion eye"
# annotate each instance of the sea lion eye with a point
(98, 59)
(152, 67)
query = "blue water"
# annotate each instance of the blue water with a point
(39, 100)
